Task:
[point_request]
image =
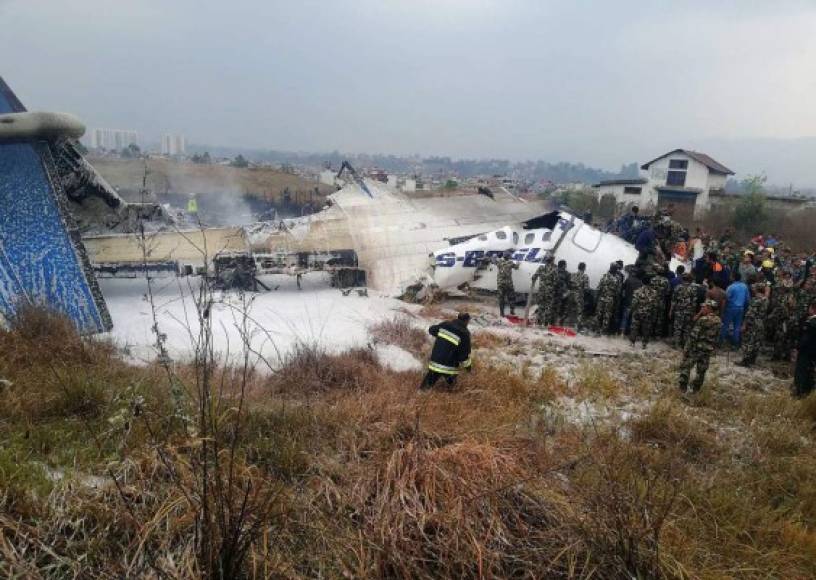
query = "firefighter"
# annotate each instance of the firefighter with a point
(451, 351)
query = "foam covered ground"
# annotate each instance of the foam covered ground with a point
(277, 320)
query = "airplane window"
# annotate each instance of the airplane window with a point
(529, 238)
(501, 235)
(515, 238)
(483, 238)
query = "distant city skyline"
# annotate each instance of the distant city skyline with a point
(102, 138)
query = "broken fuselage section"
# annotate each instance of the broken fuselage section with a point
(468, 262)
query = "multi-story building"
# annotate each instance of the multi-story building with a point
(683, 179)
(112, 139)
(173, 145)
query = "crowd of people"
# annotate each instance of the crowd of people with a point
(756, 297)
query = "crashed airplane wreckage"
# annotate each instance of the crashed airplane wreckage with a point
(367, 234)
(371, 235)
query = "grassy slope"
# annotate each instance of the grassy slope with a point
(495, 480)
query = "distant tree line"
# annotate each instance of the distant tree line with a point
(562, 172)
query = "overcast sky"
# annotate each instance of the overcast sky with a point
(594, 81)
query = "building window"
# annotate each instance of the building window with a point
(632, 189)
(678, 163)
(676, 178)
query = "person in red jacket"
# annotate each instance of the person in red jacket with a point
(451, 351)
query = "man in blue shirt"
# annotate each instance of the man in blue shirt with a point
(645, 241)
(676, 278)
(736, 301)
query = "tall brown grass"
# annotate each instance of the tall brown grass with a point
(341, 468)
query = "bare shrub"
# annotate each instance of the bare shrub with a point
(665, 426)
(626, 495)
(401, 332)
(808, 409)
(37, 334)
(449, 511)
(310, 369)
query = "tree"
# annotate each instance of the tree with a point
(240, 161)
(132, 151)
(202, 159)
(751, 212)
(451, 184)
(579, 201)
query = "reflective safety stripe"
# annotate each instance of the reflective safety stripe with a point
(442, 369)
(467, 363)
(449, 336)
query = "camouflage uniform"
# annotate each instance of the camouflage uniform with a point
(644, 307)
(561, 297)
(754, 325)
(662, 290)
(608, 291)
(700, 346)
(684, 307)
(504, 283)
(547, 276)
(786, 323)
(578, 286)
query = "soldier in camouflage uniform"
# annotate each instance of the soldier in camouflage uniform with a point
(753, 327)
(644, 310)
(663, 292)
(504, 282)
(546, 275)
(579, 286)
(784, 320)
(561, 295)
(608, 290)
(683, 309)
(621, 276)
(701, 343)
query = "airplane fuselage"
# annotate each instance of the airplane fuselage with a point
(568, 238)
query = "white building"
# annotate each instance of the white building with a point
(682, 179)
(112, 139)
(173, 145)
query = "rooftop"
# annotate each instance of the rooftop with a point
(706, 160)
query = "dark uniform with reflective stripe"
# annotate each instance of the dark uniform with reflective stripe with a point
(450, 354)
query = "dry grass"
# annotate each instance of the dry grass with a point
(400, 331)
(369, 478)
(489, 340)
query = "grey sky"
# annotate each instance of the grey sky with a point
(594, 81)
